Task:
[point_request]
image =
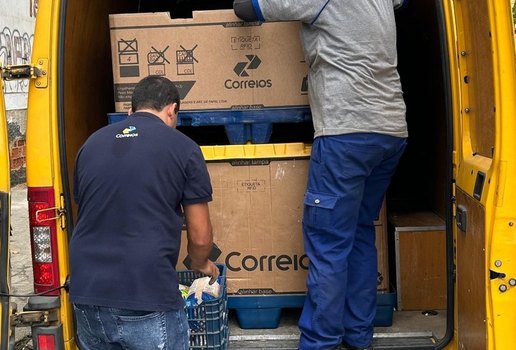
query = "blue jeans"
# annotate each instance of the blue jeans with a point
(347, 181)
(103, 328)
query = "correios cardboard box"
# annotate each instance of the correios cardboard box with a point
(256, 216)
(216, 60)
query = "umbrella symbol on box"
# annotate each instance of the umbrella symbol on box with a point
(186, 61)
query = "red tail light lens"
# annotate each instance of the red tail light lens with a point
(46, 342)
(42, 221)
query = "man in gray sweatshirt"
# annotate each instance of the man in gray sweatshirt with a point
(358, 114)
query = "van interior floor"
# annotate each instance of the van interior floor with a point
(409, 330)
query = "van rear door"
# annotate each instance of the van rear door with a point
(485, 174)
(5, 225)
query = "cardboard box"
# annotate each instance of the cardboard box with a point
(256, 214)
(420, 248)
(216, 60)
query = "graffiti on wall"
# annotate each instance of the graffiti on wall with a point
(16, 48)
(33, 8)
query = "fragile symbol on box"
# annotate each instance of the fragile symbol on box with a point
(156, 60)
(128, 58)
(185, 61)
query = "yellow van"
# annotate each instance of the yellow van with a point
(457, 64)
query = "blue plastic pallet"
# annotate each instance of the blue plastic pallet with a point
(241, 125)
(264, 312)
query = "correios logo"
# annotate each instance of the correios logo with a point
(253, 62)
(283, 262)
(237, 261)
(130, 131)
(242, 69)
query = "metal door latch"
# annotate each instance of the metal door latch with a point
(23, 71)
(38, 72)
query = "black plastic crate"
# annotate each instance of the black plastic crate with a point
(208, 321)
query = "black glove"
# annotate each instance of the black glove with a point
(244, 10)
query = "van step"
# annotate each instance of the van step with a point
(404, 341)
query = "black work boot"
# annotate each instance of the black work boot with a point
(346, 346)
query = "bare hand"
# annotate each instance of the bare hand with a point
(209, 269)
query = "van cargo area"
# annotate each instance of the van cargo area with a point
(417, 209)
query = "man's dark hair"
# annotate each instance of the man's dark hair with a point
(154, 93)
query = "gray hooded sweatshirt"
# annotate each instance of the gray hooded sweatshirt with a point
(350, 48)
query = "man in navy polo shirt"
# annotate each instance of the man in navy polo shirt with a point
(133, 183)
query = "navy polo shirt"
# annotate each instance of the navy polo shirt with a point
(130, 182)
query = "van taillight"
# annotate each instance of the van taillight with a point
(46, 342)
(42, 221)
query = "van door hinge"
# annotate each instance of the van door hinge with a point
(38, 71)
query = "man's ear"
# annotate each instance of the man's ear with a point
(173, 109)
(130, 111)
(171, 113)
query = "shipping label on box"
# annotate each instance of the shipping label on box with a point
(216, 60)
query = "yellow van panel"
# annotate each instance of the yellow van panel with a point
(5, 182)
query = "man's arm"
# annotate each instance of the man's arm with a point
(200, 239)
(306, 11)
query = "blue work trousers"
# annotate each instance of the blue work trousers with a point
(105, 328)
(348, 177)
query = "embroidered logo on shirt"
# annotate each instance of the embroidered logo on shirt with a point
(130, 131)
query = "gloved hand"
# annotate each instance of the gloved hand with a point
(398, 4)
(244, 10)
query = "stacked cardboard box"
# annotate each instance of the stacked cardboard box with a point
(256, 215)
(216, 60)
(257, 212)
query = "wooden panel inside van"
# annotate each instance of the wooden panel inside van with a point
(471, 270)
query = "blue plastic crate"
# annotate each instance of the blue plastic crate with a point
(241, 125)
(116, 117)
(264, 311)
(209, 326)
(385, 303)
